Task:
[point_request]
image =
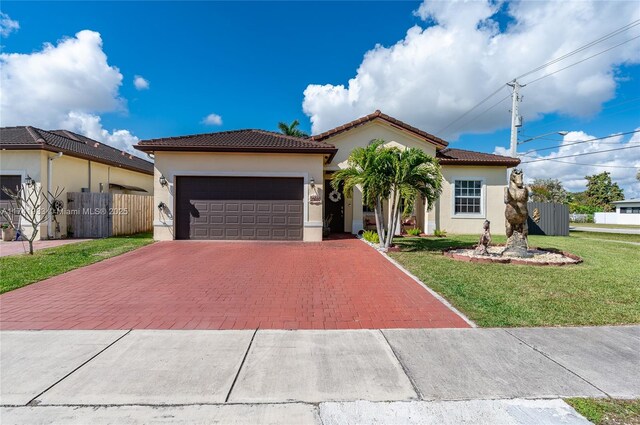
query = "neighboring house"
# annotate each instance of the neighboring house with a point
(73, 162)
(256, 184)
(627, 212)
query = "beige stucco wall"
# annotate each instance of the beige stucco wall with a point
(70, 174)
(361, 137)
(30, 163)
(124, 176)
(494, 180)
(172, 164)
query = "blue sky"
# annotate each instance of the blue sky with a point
(251, 62)
(248, 62)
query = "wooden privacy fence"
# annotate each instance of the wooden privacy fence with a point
(547, 218)
(100, 215)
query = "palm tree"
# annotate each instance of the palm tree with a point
(366, 170)
(414, 174)
(399, 176)
(292, 129)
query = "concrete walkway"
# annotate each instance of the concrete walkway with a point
(622, 231)
(511, 376)
(22, 247)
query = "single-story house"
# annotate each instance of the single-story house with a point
(627, 212)
(68, 161)
(256, 184)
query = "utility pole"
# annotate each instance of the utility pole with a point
(516, 119)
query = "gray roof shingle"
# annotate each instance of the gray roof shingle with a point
(250, 140)
(465, 157)
(72, 144)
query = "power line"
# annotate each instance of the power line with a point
(585, 59)
(580, 154)
(592, 165)
(609, 114)
(584, 47)
(573, 52)
(470, 110)
(583, 141)
(484, 111)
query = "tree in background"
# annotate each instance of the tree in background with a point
(548, 190)
(601, 191)
(292, 129)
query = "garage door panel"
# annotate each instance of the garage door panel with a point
(231, 219)
(210, 208)
(248, 219)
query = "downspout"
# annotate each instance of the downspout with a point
(49, 195)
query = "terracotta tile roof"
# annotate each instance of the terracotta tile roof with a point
(237, 141)
(465, 157)
(72, 144)
(384, 117)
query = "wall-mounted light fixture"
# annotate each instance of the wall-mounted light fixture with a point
(312, 183)
(162, 206)
(29, 181)
(163, 181)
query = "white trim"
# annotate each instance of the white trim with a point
(22, 173)
(483, 198)
(313, 224)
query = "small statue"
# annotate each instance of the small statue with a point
(485, 240)
(516, 214)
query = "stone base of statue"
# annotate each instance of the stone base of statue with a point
(517, 246)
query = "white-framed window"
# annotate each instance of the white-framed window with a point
(629, 210)
(468, 197)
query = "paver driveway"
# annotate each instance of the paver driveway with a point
(338, 284)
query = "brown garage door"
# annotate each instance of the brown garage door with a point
(261, 208)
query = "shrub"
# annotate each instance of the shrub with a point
(440, 233)
(414, 232)
(371, 236)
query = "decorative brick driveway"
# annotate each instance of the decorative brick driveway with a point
(339, 284)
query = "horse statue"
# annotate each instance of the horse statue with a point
(516, 196)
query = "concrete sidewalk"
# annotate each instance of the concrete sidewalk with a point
(350, 376)
(621, 231)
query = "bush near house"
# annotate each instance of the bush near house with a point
(414, 232)
(371, 236)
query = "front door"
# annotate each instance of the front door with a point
(334, 207)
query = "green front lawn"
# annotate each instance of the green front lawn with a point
(20, 270)
(602, 290)
(604, 411)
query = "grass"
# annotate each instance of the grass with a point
(21, 270)
(608, 411)
(603, 290)
(606, 226)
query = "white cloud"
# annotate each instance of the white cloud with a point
(435, 74)
(571, 171)
(90, 125)
(140, 83)
(7, 25)
(63, 86)
(212, 119)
